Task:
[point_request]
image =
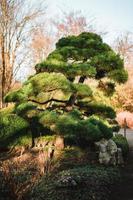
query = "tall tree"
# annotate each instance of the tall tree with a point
(124, 100)
(124, 46)
(85, 56)
(72, 23)
(16, 17)
(43, 41)
(63, 103)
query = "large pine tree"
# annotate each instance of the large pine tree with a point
(57, 96)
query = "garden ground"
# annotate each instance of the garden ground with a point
(124, 191)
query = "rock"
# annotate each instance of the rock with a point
(109, 153)
(104, 156)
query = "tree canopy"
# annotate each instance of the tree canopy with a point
(62, 101)
(84, 55)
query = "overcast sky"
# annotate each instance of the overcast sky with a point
(115, 15)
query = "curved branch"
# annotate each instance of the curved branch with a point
(45, 102)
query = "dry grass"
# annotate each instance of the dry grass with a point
(22, 172)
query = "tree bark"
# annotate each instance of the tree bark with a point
(73, 97)
(12, 38)
(82, 79)
(3, 74)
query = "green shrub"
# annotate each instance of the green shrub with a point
(12, 128)
(83, 183)
(121, 142)
(115, 128)
(114, 125)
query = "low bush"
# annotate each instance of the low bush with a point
(121, 142)
(83, 183)
(115, 128)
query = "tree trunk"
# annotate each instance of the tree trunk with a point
(3, 73)
(6, 73)
(82, 79)
(1, 88)
(73, 97)
(72, 100)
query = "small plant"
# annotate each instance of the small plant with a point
(84, 183)
(121, 142)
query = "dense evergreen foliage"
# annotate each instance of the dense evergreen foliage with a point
(57, 99)
(83, 183)
(13, 131)
(122, 143)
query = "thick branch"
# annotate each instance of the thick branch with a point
(73, 97)
(48, 101)
(82, 79)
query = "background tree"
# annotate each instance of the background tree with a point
(124, 46)
(124, 100)
(73, 23)
(16, 17)
(125, 119)
(42, 43)
(46, 35)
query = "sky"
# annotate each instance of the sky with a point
(115, 16)
(112, 16)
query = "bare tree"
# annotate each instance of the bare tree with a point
(43, 40)
(16, 21)
(124, 46)
(42, 43)
(124, 93)
(73, 23)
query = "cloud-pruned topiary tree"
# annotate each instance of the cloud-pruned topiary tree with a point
(63, 101)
